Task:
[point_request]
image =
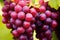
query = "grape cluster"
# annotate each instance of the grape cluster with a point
(58, 20)
(23, 20)
(20, 18)
(46, 22)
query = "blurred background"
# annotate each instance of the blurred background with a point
(5, 33)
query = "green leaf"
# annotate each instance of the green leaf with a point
(58, 1)
(33, 1)
(54, 36)
(5, 33)
(54, 4)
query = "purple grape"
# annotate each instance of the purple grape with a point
(45, 27)
(20, 30)
(6, 8)
(26, 9)
(8, 25)
(42, 16)
(14, 15)
(23, 37)
(42, 9)
(12, 21)
(12, 5)
(18, 8)
(44, 39)
(21, 15)
(18, 22)
(29, 30)
(15, 33)
(5, 14)
(54, 15)
(48, 20)
(48, 13)
(33, 26)
(48, 33)
(4, 20)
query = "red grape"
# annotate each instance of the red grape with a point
(29, 30)
(8, 25)
(42, 16)
(18, 22)
(21, 15)
(12, 5)
(26, 9)
(22, 3)
(42, 9)
(20, 30)
(14, 15)
(26, 24)
(15, 33)
(4, 20)
(33, 12)
(29, 17)
(54, 24)
(48, 13)
(18, 8)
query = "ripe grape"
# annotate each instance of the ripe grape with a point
(21, 15)
(14, 15)
(54, 16)
(14, 27)
(33, 26)
(23, 37)
(48, 20)
(12, 21)
(33, 12)
(29, 30)
(48, 13)
(54, 24)
(5, 14)
(6, 2)
(5, 8)
(48, 33)
(26, 9)
(45, 27)
(22, 3)
(18, 8)
(26, 24)
(18, 22)
(42, 16)
(41, 2)
(42, 9)
(29, 17)
(4, 20)
(8, 25)
(20, 30)
(15, 33)
(12, 5)
(44, 39)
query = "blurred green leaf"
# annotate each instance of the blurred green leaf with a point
(54, 4)
(4, 32)
(54, 36)
(58, 1)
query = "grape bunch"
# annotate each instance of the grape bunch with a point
(23, 20)
(46, 23)
(20, 18)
